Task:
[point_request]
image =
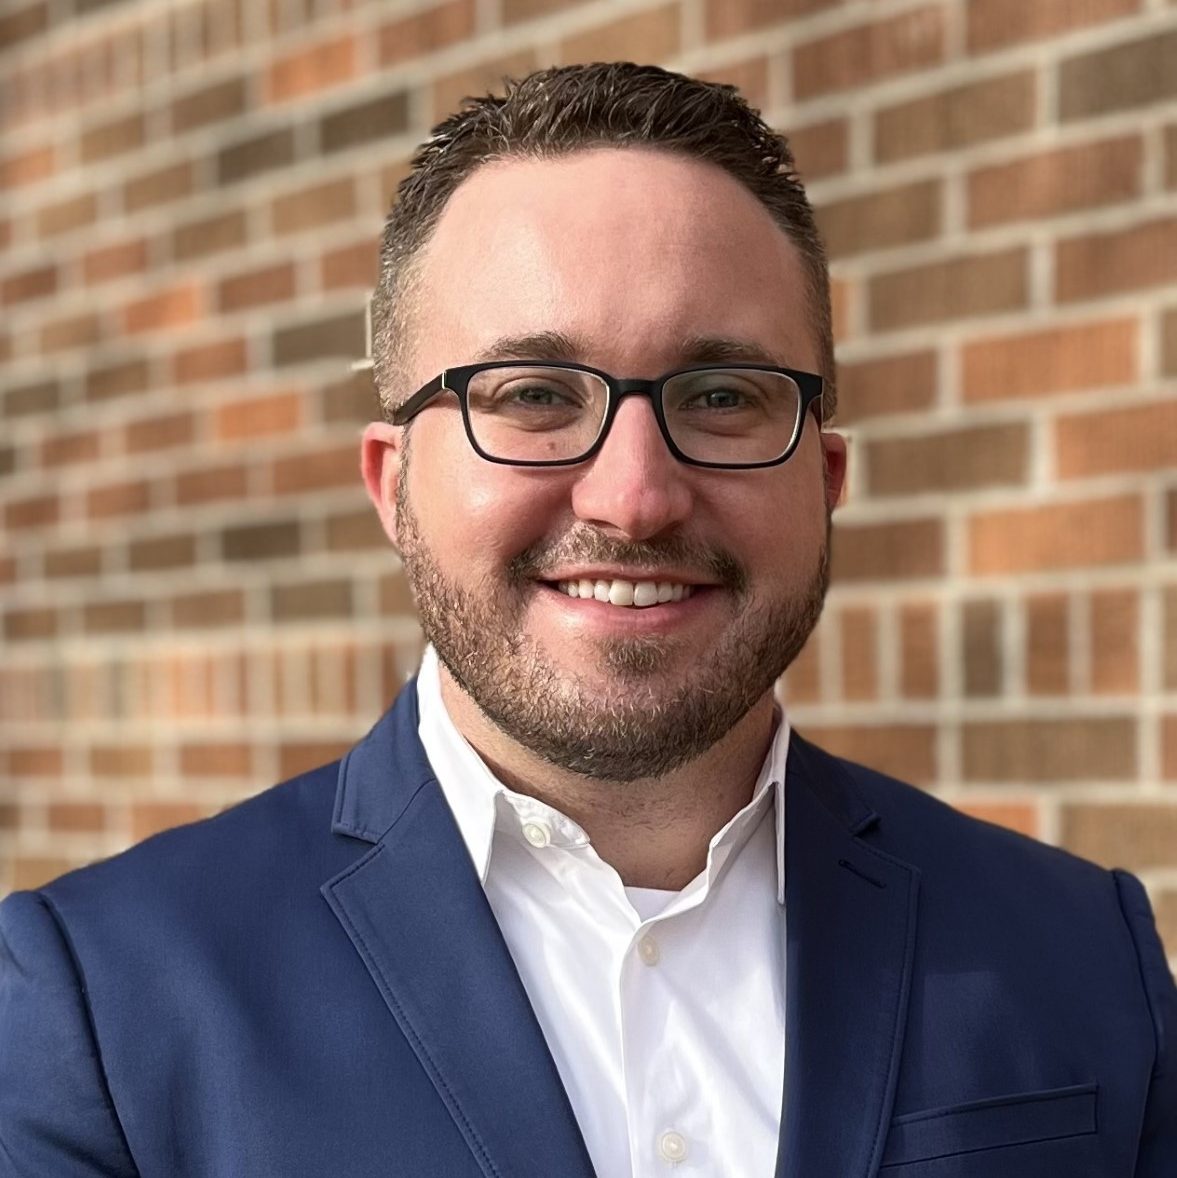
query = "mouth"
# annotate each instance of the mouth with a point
(623, 593)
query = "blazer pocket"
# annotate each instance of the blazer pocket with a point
(987, 1124)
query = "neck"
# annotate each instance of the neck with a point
(654, 832)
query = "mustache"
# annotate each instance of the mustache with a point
(586, 546)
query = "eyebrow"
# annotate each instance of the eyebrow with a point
(557, 346)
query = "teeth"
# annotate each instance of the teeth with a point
(627, 594)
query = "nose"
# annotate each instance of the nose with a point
(633, 486)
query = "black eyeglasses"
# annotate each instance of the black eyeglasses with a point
(554, 414)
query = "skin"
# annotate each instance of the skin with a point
(627, 253)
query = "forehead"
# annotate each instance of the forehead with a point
(627, 250)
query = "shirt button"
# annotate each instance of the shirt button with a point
(648, 950)
(537, 834)
(673, 1146)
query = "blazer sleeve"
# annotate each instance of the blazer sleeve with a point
(1157, 1156)
(56, 1112)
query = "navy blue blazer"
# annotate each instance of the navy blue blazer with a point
(313, 984)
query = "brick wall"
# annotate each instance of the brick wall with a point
(196, 598)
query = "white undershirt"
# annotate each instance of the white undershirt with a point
(664, 1011)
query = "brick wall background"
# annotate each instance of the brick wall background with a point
(196, 598)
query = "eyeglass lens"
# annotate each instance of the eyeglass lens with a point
(532, 413)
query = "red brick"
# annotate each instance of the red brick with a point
(319, 470)
(351, 266)
(1120, 76)
(31, 284)
(1115, 641)
(174, 307)
(313, 207)
(888, 551)
(1142, 438)
(1169, 640)
(750, 78)
(821, 149)
(1056, 536)
(113, 617)
(948, 460)
(311, 70)
(652, 35)
(355, 531)
(1048, 644)
(73, 562)
(23, 24)
(71, 448)
(1056, 360)
(67, 215)
(860, 653)
(276, 413)
(297, 757)
(1169, 747)
(114, 261)
(981, 648)
(158, 187)
(1040, 751)
(1019, 816)
(425, 32)
(121, 761)
(1136, 837)
(1120, 260)
(148, 818)
(906, 751)
(118, 380)
(919, 646)
(994, 23)
(23, 624)
(802, 680)
(1056, 182)
(114, 137)
(976, 112)
(28, 167)
(34, 511)
(223, 607)
(255, 288)
(868, 53)
(902, 383)
(35, 761)
(216, 760)
(159, 433)
(81, 817)
(881, 219)
(210, 104)
(209, 235)
(730, 18)
(487, 76)
(74, 331)
(125, 498)
(34, 871)
(227, 481)
(212, 361)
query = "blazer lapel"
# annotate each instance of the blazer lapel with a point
(416, 913)
(851, 921)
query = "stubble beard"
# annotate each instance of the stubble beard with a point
(647, 727)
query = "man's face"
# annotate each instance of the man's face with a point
(636, 258)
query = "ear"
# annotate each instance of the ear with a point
(380, 463)
(834, 458)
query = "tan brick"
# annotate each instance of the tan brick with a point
(1088, 355)
(113, 617)
(211, 361)
(125, 498)
(1119, 77)
(1165, 911)
(373, 119)
(226, 759)
(821, 149)
(486, 77)
(318, 471)
(1171, 156)
(352, 399)
(919, 651)
(223, 607)
(77, 817)
(395, 596)
(1056, 182)
(1169, 747)
(354, 531)
(32, 511)
(730, 18)
(421, 33)
(888, 551)
(23, 624)
(275, 413)
(23, 24)
(162, 552)
(981, 648)
(1171, 513)
(70, 448)
(114, 137)
(114, 261)
(255, 288)
(209, 235)
(27, 167)
(209, 104)
(38, 283)
(860, 652)
(889, 384)
(1142, 438)
(843, 294)
(34, 871)
(67, 215)
(958, 117)
(1169, 343)
(1019, 816)
(1120, 260)
(1115, 639)
(1137, 837)
(311, 599)
(260, 153)
(1040, 751)
(118, 380)
(36, 761)
(262, 541)
(176, 306)
(312, 69)
(351, 266)
(121, 760)
(750, 78)
(949, 460)
(295, 757)
(73, 562)
(1048, 644)
(957, 288)
(881, 219)
(74, 331)
(906, 751)
(1056, 536)
(340, 336)
(159, 433)
(1169, 648)
(868, 53)
(148, 818)
(994, 23)
(224, 481)
(158, 187)
(313, 207)
(650, 36)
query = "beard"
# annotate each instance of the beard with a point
(653, 722)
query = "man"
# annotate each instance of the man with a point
(582, 901)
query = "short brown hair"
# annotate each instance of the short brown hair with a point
(557, 111)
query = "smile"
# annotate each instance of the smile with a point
(630, 594)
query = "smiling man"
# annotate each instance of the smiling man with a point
(582, 901)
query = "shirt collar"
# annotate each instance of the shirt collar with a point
(483, 807)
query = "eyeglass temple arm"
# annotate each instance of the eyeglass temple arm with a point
(405, 412)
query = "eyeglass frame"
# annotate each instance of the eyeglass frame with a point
(809, 385)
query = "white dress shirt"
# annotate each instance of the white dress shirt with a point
(664, 1011)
